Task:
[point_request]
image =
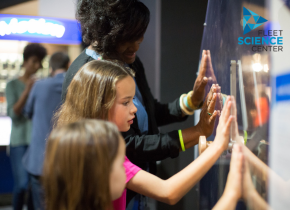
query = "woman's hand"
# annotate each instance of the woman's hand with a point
(201, 80)
(208, 114)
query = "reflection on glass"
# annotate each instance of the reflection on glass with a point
(244, 70)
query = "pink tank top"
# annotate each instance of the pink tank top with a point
(131, 171)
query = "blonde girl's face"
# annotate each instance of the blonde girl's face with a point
(118, 175)
(123, 110)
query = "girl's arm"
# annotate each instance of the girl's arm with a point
(173, 189)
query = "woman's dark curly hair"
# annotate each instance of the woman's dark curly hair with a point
(111, 22)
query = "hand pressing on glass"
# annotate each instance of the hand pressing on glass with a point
(199, 90)
(234, 188)
(208, 113)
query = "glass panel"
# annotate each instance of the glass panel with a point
(244, 43)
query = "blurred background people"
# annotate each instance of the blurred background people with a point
(43, 101)
(17, 92)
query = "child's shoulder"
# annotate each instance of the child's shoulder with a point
(129, 166)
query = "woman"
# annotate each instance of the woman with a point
(115, 29)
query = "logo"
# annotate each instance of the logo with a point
(267, 40)
(250, 15)
(31, 26)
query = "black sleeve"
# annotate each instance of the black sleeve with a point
(145, 148)
(168, 113)
(81, 60)
(164, 114)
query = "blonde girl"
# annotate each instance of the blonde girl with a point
(83, 160)
(105, 90)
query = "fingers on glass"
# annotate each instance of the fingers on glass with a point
(226, 109)
(213, 117)
(203, 64)
(237, 159)
(212, 104)
(204, 82)
(228, 124)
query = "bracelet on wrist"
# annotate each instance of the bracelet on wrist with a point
(186, 103)
(181, 140)
(183, 107)
(189, 101)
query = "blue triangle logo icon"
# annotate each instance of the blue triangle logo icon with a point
(247, 14)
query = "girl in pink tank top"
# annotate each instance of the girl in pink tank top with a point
(105, 91)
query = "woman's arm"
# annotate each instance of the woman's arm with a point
(206, 123)
(171, 112)
(173, 189)
(18, 106)
(163, 145)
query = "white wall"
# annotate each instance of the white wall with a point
(57, 8)
(149, 51)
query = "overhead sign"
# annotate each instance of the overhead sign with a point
(39, 29)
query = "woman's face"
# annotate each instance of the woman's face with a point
(123, 110)
(32, 64)
(127, 50)
(118, 175)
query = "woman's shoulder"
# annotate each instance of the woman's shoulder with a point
(82, 59)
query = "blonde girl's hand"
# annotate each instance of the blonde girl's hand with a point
(223, 129)
(235, 131)
(248, 186)
(234, 187)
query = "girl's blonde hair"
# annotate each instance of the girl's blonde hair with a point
(92, 92)
(77, 165)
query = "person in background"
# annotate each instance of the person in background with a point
(44, 99)
(17, 92)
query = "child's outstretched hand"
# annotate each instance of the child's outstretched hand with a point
(223, 129)
(234, 186)
(235, 132)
